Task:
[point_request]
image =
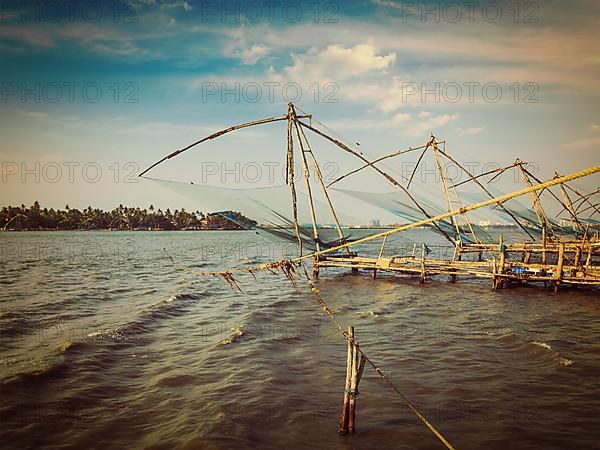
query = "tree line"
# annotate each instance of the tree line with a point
(121, 218)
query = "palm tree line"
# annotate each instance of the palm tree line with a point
(121, 218)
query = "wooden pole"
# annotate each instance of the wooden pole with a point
(502, 255)
(391, 155)
(308, 188)
(494, 272)
(544, 237)
(353, 390)
(381, 172)
(215, 135)
(483, 188)
(457, 235)
(422, 279)
(343, 428)
(290, 178)
(535, 199)
(559, 266)
(460, 203)
(319, 175)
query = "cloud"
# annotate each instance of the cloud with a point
(582, 144)
(400, 118)
(185, 5)
(429, 126)
(55, 119)
(463, 131)
(36, 37)
(240, 46)
(424, 114)
(594, 127)
(336, 62)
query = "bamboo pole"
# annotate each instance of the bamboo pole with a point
(319, 177)
(391, 155)
(419, 161)
(544, 239)
(422, 279)
(382, 247)
(460, 203)
(537, 205)
(307, 181)
(381, 172)
(489, 194)
(353, 390)
(559, 266)
(215, 135)
(489, 172)
(568, 205)
(457, 235)
(343, 428)
(290, 179)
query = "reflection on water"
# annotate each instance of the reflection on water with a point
(105, 343)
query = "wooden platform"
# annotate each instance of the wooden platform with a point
(574, 263)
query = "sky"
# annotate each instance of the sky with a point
(94, 92)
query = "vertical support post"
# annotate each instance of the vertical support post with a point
(544, 244)
(343, 428)
(559, 266)
(578, 255)
(588, 260)
(316, 267)
(353, 390)
(502, 255)
(422, 279)
(494, 277)
(290, 177)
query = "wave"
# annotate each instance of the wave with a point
(236, 333)
(53, 369)
(532, 352)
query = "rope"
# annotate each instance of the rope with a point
(289, 270)
(328, 311)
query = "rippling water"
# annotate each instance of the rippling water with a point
(105, 343)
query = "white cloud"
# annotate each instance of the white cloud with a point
(185, 5)
(240, 46)
(463, 131)
(399, 118)
(594, 127)
(424, 114)
(429, 126)
(582, 144)
(336, 62)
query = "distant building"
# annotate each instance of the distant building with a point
(374, 223)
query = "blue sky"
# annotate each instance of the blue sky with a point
(154, 73)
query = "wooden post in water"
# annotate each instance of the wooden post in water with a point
(544, 244)
(316, 267)
(494, 278)
(559, 266)
(353, 390)
(343, 428)
(502, 255)
(578, 255)
(422, 279)
(355, 365)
